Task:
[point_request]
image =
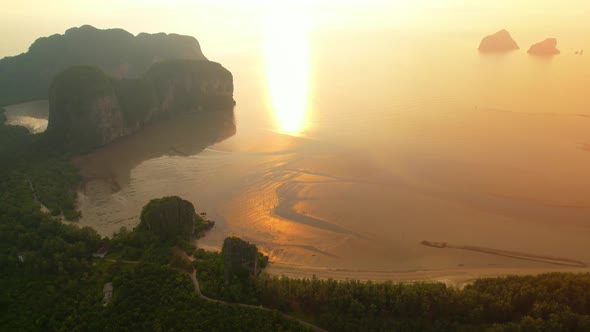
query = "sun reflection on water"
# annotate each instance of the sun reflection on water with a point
(287, 68)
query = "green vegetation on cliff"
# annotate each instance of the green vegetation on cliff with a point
(136, 98)
(117, 52)
(75, 97)
(240, 259)
(83, 82)
(170, 218)
(231, 274)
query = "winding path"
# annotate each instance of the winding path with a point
(193, 276)
(121, 261)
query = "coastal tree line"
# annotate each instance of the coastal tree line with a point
(548, 302)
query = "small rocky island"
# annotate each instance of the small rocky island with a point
(548, 47)
(498, 42)
(87, 108)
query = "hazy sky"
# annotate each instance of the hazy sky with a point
(222, 25)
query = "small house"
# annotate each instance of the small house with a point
(101, 252)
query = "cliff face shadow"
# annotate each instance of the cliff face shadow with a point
(185, 134)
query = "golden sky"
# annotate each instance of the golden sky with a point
(219, 23)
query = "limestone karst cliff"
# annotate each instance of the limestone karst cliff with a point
(168, 217)
(240, 259)
(84, 109)
(500, 41)
(88, 109)
(185, 84)
(115, 51)
(547, 47)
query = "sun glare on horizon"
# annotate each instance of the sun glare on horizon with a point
(287, 59)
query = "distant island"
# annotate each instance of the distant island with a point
(117, 52)
(88, 109)
(547, 47)
(500, 41)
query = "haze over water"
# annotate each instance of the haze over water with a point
(352, 146)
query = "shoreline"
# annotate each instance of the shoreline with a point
(454, 277)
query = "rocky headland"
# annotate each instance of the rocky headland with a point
(117, 52)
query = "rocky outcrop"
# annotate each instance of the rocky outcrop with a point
(88, 109)
(548, 47)
(240, 259)
(115, 51)
(169, 218)
(181, 84)
(500, 41)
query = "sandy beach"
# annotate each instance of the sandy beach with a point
(458, 277)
